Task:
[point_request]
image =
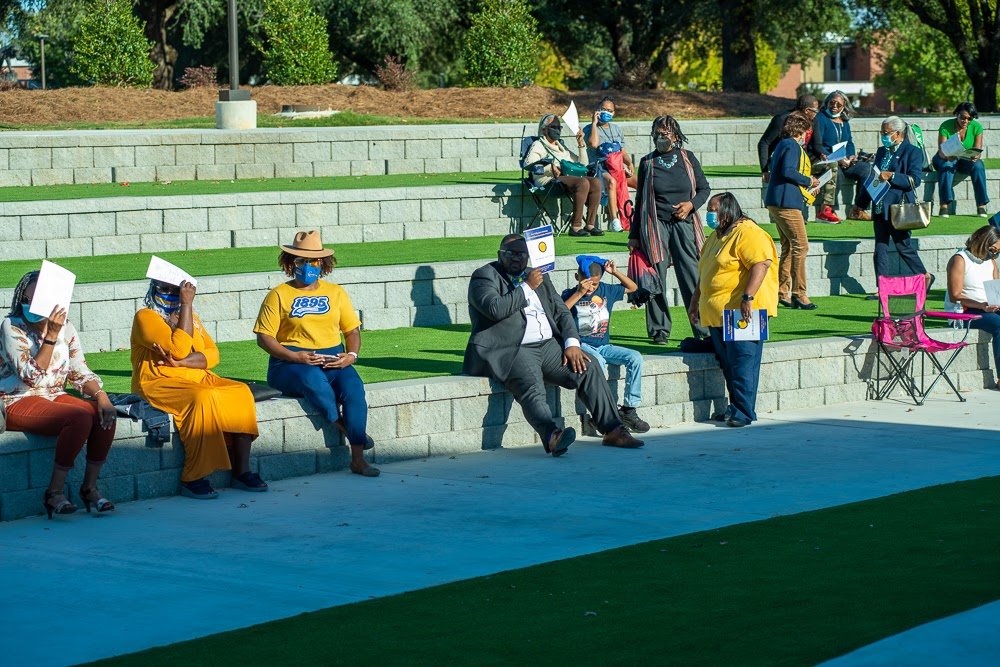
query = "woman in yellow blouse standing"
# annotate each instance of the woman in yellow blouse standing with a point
(299, 325)
(215, 417)
(738, 270)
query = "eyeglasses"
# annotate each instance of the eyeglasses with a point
(302, 261)
(812, 110)
(514, 254)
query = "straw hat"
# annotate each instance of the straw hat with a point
(307, 244)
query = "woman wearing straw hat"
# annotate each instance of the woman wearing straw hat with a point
(300, 325)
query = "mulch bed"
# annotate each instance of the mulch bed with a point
(94, 105)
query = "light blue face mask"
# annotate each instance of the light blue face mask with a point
(606, 116)
(307, 274)
(31, 317)
(712, 220)
(887, 141)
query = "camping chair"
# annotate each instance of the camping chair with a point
(540, 194)
(899, 333)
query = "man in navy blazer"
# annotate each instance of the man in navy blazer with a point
(523, 335)
(901, 165)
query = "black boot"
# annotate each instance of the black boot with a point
(631, 420)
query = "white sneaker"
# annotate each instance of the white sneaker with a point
(616, 225)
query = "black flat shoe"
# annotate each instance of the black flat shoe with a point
(786, 304)
(579, 232)
(802, 306)
(595, 232)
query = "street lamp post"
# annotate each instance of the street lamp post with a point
(234, 110)
(41, 40)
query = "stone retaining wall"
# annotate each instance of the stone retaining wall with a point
(389, 297)
(118, 225)
(457, 415)
(105, 156)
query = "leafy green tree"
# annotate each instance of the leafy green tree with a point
(923, 69)
(294, 44)
(110, 47)
(60, 20)
(971, 26)
(637, 35)
(424, 34)
(697, 65)
(503, 45)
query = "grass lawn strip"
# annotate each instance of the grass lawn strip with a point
(420, 352)
(231, 261)
(797, 589)
(240, 186)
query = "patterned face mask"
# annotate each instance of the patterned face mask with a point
(166, 300)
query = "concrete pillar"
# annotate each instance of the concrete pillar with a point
(238, 115)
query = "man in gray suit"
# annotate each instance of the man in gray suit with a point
(523, 335)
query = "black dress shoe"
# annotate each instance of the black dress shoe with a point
(786, 304)
(579, 232)
(802, 306)
(596, 231)
(661, 339)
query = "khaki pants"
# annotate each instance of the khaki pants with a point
(794, 249)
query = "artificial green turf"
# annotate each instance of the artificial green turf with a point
(239, 186)
(228, 261)
(400, 354)
(790, 590)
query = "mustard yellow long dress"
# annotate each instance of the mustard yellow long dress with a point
(207, 409)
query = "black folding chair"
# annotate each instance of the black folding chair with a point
(541, 194)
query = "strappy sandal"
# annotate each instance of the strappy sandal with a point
(62, 507)
(102, 504)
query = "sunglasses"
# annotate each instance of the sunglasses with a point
(514, 254)
(302, 261)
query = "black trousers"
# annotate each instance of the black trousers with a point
(680, 243)
(904, 246)
(538, 363)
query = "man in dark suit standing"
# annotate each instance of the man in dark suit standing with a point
(523, 335)
(807, 104)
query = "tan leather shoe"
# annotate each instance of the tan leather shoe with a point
(620, 437)
(858, 213)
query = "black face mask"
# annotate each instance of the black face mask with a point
(992, 254)
(554, 133)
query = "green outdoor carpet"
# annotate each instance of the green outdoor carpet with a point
(791, 590)
(229, 261)
(400, 354)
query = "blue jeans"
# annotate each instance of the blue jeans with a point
(620, 356)
(740, 362)
(989, 322)
(946, 178)
(325, 388)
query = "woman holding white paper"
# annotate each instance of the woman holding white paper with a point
(738, 270)
(549, 159)
(215, 417)
(831, 128)
(39, 356)
(970, 132)
(968, 271)
(789, 188)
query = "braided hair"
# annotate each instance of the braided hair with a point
(17, 305)
(670, 124)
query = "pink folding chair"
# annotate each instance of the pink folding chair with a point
(901, 338)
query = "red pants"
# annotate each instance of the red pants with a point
(72, 420)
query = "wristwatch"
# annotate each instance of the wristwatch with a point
(748, 297)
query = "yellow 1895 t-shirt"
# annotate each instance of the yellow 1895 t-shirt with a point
(311, 319)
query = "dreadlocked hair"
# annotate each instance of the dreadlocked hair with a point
(17, 305)
(669, 124)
